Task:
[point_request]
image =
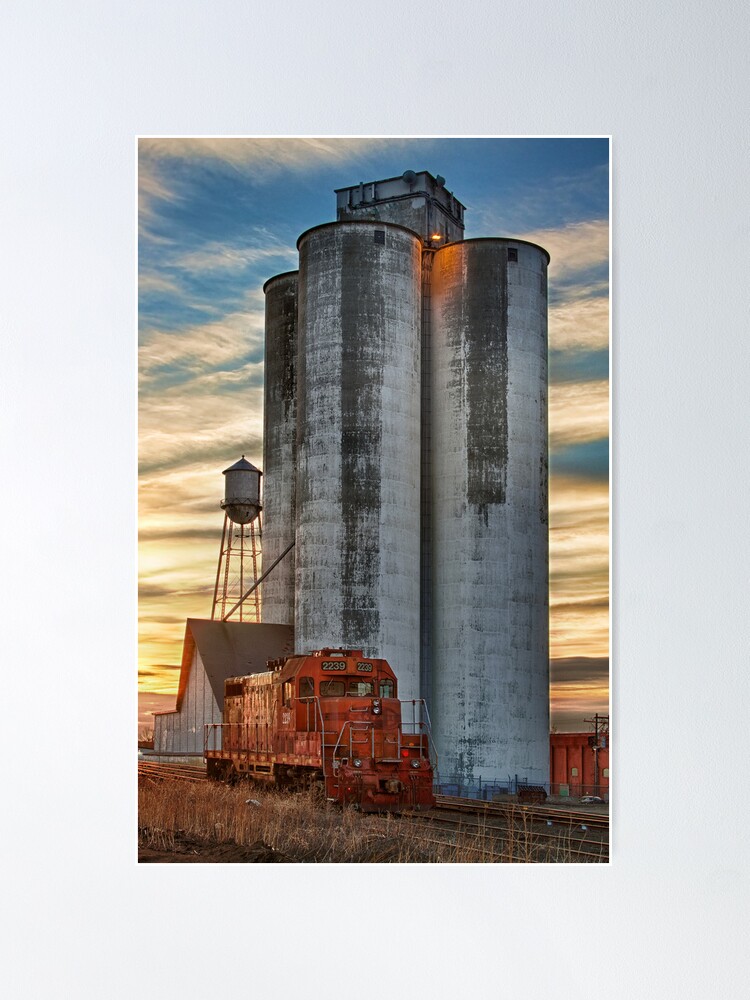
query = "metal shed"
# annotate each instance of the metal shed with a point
(211, 652)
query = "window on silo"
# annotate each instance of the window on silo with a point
(574, 772)
(512, 255)
(378, 236)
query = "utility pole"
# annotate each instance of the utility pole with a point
(598, 742)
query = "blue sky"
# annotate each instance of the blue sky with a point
(218, 217)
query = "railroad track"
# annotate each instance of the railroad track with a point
(549, 814)
(512, 837)
(182, 772)
(577, 834)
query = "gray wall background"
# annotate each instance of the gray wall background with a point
(670, 83)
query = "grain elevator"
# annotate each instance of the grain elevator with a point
(405, 455)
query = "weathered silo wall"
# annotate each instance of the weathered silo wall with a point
(279, 446)
(490, 652)
(358, 445)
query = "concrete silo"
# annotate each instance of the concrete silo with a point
(280, 445)
(358, 444)
(488, 488)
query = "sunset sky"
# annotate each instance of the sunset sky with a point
(217, 218)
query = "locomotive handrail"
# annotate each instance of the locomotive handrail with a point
(423, 708)
(363, 727)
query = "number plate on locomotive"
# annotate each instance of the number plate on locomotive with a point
(333, 665)
(365, 668)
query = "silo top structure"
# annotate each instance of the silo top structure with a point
(242, 492)
(418, 201)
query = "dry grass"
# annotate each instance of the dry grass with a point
(300, 827)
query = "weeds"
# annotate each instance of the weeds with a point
(299, 827)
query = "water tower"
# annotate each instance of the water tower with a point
(237, 571)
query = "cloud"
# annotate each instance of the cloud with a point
(578, 413)
(177, 534)
(578, 366)
(227, 257)
(577, 247)
(150, 702)
(152, 188)
(589, 460)
(579, 670)
(580, 324)
(151, 283)
(579, 687)
(264, 157)
(205, 345)
(201, 429)
(579, 566)
(561, 198)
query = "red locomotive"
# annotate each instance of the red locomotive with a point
(331, 717)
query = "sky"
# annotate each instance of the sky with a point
(217, 217)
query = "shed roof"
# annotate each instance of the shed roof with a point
(231, 649)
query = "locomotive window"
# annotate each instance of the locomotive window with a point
(233, 689)
(359, 688)
(306, 687)
(331, 688)
(386, 688)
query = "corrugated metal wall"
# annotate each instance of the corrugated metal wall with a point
(182, 732)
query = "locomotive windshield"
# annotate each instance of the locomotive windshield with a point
(332, 688)
(358, 688)
(352, 687)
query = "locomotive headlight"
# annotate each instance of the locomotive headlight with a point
(415, 763)
(357, 762)
(376, 709)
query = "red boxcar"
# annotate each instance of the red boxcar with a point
(332, 717)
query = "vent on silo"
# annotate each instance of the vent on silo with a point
(378, 236)
(512, 254)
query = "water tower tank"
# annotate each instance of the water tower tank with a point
(242, 492)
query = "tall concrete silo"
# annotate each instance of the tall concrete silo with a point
(488, 429)
(358, 444)
(280, 445)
